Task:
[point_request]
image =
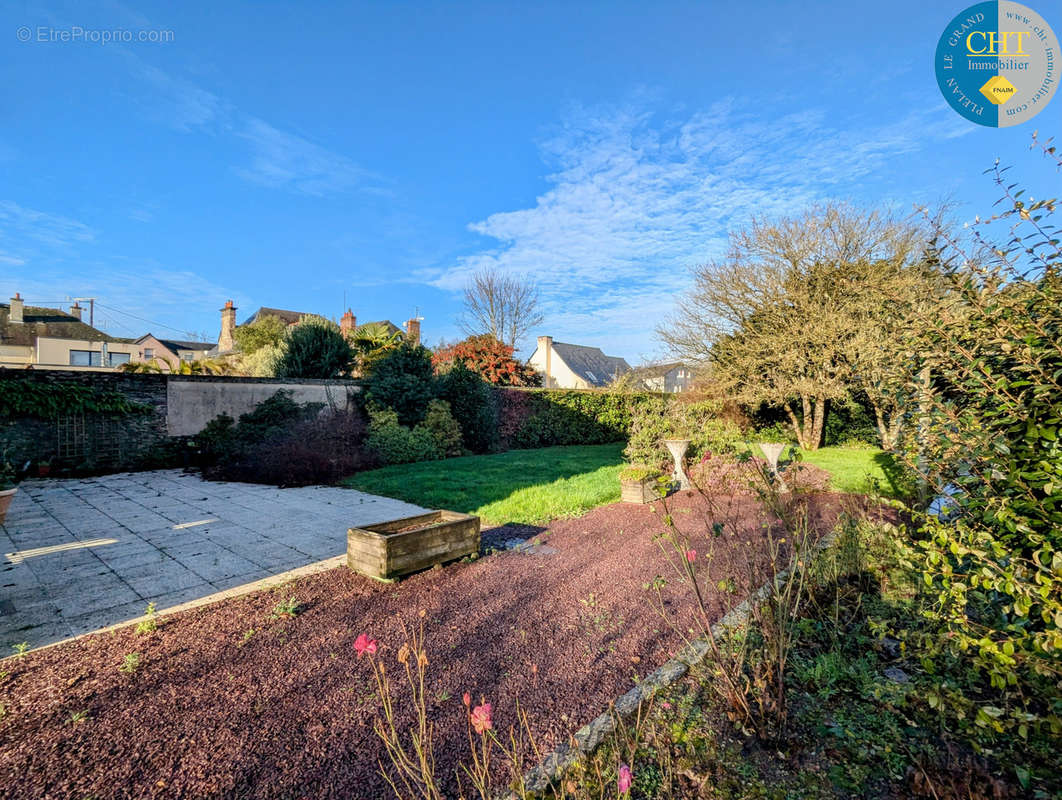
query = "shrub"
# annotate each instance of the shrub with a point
(725, 474)
(284, 444)
(669, 418)
(806, 478)
(490, 359)
(393, 443)
(637, 473)
(547, 417)
(473, 405)
(444, 428)
(314, 348)
(403, 380)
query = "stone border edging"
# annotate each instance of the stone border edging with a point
(261, 584)
(588, 738)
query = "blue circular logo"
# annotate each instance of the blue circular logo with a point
(997, 63)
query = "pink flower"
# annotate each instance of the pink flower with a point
(481, 718)
(691, 555)
(623, 782)
(363, 644)
(666, 705)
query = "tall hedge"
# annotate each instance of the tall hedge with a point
(547, 417)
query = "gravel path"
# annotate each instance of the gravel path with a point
(227, 702)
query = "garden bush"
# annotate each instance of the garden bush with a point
(548, 417)
(473, 405)
(444, 428)
(393, 443)
(283, 443)
(314, 348)
(402, 380)
(671, 418)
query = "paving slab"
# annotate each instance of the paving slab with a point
(79, 555)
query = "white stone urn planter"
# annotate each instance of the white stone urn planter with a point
(772, 451)
(678, 448)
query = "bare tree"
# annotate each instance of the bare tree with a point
(803, 310)
(503, 306)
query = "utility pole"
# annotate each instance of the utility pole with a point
(92, 309)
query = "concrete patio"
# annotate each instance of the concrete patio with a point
(79, 555)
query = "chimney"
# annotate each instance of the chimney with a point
(413, 330)
(348, 324)
(545, 344)
(226, 341)
(75, 310)
(15, 315)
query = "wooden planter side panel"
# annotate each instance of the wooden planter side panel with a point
(378, 552)
(638, 491)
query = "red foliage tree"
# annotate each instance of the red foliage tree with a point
(488, 357)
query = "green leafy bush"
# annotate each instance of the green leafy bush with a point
(669, 418)
(47, 399)
(548, 417)
(402, 380)
(394, 443)
(314, 348)
(989, 389)
(444, 428)
(472, 402)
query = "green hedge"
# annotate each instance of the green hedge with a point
(529, 418)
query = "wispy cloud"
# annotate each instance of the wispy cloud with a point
(276, 159)
(25, 231)
(636, 199)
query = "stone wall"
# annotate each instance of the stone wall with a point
(192, 401)
(178, 406)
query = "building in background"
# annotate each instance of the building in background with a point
(32, 336)
(575, 366)
(168, 353)
(671, 377)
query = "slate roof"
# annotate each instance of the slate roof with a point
(178, 344)
(37, 321)
(656, 370)
(590, 363)
(290, 317)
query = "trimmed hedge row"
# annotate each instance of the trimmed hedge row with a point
(529, 418)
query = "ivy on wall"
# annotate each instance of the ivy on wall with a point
(48, 400)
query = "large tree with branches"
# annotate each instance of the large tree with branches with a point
(503, 306)
(806, 309)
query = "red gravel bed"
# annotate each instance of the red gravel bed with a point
(287, 711)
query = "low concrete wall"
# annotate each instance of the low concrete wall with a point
(192, 401)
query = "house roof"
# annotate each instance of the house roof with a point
(656, 370)
(180, 344)
(290, 317)
(590, 363)
(37, 321)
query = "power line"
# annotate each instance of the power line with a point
(148, 321)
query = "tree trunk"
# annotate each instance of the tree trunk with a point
(819, 425)
(805, 426)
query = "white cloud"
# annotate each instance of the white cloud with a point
(635, 200)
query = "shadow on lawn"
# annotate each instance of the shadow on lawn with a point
(900, 485)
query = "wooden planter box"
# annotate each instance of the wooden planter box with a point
(411, 544)
(639, 491)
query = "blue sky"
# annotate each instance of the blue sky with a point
(283, 154)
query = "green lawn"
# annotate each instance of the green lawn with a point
(856, 469)
(524, 486)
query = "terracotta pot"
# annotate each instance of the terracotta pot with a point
(6, 497)
(44, 470)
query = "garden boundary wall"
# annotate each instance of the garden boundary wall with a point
(167, 408)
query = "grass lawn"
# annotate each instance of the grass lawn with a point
(856, 469)
(523, 486)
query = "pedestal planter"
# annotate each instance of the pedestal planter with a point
(677, 448)
(402, 546)
(6, 497)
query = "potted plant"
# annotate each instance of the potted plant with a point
(639, 484)
(44, 468)
(7, 488)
